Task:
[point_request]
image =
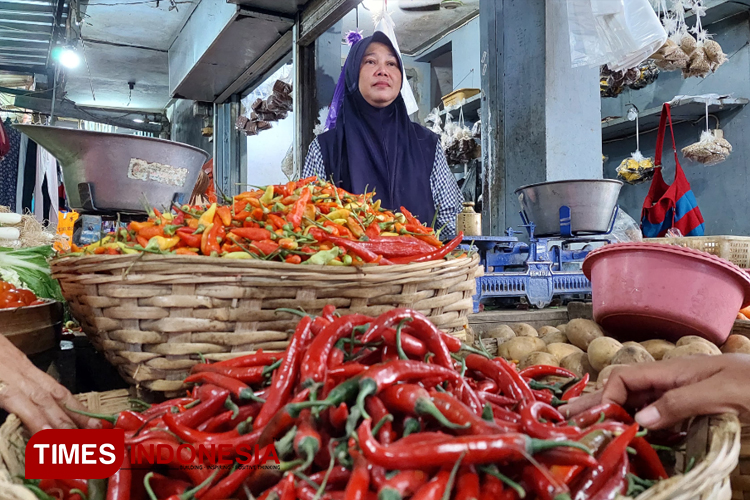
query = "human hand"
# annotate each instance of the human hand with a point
(35, 397)
(667, 392)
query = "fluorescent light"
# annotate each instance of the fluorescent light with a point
(69, 58)
(138, 120)
(373, 5)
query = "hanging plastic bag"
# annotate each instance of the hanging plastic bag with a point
(613, 32)
(434, 119)
(712, 148)
(636, 169)
(387, 26)
(626, 229)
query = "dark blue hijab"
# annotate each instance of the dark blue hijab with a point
(380, 148)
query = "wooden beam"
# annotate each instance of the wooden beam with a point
(321, 15)
(68, 109)
(261, 68)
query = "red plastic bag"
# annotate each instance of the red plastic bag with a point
(665, 206)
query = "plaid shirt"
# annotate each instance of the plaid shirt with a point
(445, 193)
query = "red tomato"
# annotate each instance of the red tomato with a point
(26, 296)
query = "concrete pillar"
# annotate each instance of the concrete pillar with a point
(540, 118)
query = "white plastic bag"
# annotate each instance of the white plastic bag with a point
(386, 25)
(619, 33)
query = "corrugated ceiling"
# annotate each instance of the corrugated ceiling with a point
(27, 32)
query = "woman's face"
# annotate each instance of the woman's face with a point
(379, 75)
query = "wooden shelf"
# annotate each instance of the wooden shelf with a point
(471, 106)
(687, 110)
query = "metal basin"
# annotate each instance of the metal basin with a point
(592, 205)
(112, 172)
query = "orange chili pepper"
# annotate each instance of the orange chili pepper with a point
(225, 214)
(113, 251)
(265, 246)
(185, 251)
(100, 250)
(192, 223)
(141, 241)
(257, 214)
(354, 227)
(276, 221)
(309, 211)
(139, 226)
(293, 259)
(254, 202)
(431, 239)
(288, 244)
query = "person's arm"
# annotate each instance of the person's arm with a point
(35, 397)
(448, 198)
(667, 392)
(314, 162)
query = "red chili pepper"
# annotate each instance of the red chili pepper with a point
(543, 395)
(209, 239)
(373, 230)
(504, 415)
(248, 375)
(435, 488)
(594, 478)
(387, 246)
(402, 485)
(496, 399)
(487, 386)
(458, 413)
(315, 360)
(538, 371)
(252, 233)
(360, 251)
(305, 492)
(328, 312)
(347, 370)
(359, 482)
(410, 344)
(212, 399)
(610, 411)
(336, 358)
(646, 461)
(576, 389)
(186, 235)
(539, 480)
(377, 378)
(467, 484)
(238, 389)
(434, 255)
(282, 421)
(307, 441)
(276, 221)
(474, 449)
(338, 477)
(118, 486)
(128, 420)
(418, 228)
(378, 411)
(164, 487)
(617, 482)
(531, 412)
(510, 385)
(227, 418)
(194, 436)
(338, 416)
(419, 326)
(492, 488)
(194, 468)
(259, 358)
(298, 209)
(285, 376)
(414, 400)
(287, 488)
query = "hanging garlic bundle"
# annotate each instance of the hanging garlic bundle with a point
(637, 168)
(711, 149)
(695, 55)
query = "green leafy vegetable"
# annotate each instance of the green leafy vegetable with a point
(32, 269)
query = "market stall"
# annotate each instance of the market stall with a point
(298, 340)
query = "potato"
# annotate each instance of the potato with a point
(579, 364)
(604, 375)
(631, 344)
(502, 333)
(563, 327)
(524, 330)
(581, 332)
(555, 337)
(520, 347)
(538, 358)
(693, 349)
(735, 344)
(692, 339)
(601, 351)
(631, 355)
(561, 351)
(547, 329)
(657, 347)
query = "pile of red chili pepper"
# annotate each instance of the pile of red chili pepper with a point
(308, 221)
(386, 408)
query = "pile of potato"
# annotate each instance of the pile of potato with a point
(581, 346)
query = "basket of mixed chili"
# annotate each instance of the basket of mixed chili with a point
(390, 407)
(216, 280)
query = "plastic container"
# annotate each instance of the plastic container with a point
(457, 96)
(650, 290)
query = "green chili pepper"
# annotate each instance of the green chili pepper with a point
(323, 257)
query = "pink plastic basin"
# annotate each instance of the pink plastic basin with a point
(651, 290)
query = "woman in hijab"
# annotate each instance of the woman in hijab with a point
(374, 144)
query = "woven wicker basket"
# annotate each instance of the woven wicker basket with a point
(741, 475)
(151, 315)
(717, 452)
(13, 438)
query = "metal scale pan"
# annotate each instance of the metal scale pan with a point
(113, 172)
